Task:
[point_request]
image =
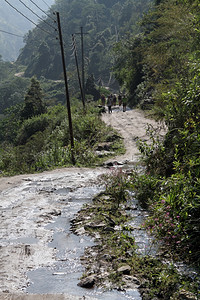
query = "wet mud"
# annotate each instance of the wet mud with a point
(38, 255)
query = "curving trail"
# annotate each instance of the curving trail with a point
(132, 126)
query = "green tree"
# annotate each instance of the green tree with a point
(128, 64)
(90, 88)
(12, 91)
(10, 123)
(33, 102)
(105, 23)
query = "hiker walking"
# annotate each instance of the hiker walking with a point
(109, 104)
(120, 99)
(103, 100)
(114, 100)
(124, 102)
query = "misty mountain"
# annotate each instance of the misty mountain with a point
(104, 23)
(13, 22)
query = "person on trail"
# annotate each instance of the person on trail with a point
(111, 98)
(109, 104)
(120, 99)
(103, 100)
(114, 100)
(124, 102)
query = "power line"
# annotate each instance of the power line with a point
(28, 18)
(43, 10)
(36, 14)
(46, 4)
(11, 33)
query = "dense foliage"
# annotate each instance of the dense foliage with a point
(104, 23)
(13, 87)
(35, 137)
(165, 59)
(152, 62)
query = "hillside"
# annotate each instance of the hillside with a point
(13, 22)
(104, 22)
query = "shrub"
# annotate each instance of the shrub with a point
(31, 126)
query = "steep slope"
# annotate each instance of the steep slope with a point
(13, 22)
(104, 23)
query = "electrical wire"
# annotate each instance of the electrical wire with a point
(46, 4)
(11, 33)
(36, 14)
(43, 10)
(17, 35)
(28, 19)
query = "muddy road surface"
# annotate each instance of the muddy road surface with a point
(132, 125)
(39, 257)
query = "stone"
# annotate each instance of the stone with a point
(185, 295)
(94, 225)
(104, 146)
(124, 269)
(132, 279)
(80, 231)
(87, 282)
(113, 163)
(109, 229)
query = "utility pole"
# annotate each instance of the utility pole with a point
(66, 89)
(77, 67)
(83, 64)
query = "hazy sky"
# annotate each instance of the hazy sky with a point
(12, 21)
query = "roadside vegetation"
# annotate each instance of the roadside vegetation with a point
(160, 68)
(113, 262)
(35, 137)
(157, 63)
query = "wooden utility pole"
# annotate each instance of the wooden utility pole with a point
(77, 67)
(66, 89)
(83, 64)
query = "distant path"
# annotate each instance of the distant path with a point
(132, 125)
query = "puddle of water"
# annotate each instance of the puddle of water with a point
(64, 275)
(143, 240)
(62, 191)
(64, 282)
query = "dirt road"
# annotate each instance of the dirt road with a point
(29, 203)
(132, 125)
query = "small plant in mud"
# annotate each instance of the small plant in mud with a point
(145, 187)
(116, 184)
(153, 153)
